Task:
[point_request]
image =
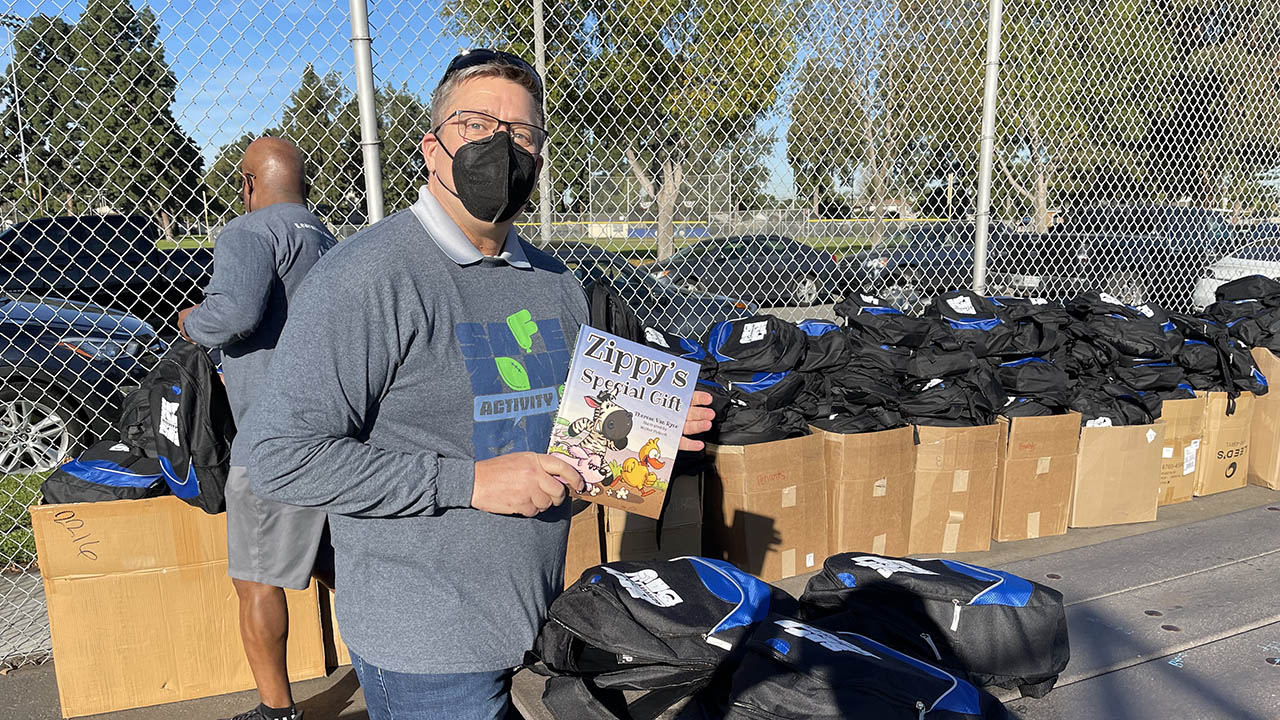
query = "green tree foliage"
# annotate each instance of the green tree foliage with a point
(322, 118)
(95, 102)
(46, 88)
(653, 87)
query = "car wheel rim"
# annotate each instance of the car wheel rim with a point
(34, 437)
(807, 291)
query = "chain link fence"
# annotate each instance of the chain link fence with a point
(708, 158)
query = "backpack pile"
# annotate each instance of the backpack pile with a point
(700, 633)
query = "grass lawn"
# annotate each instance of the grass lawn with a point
(17, 544)
(640, 250)
(186, 242)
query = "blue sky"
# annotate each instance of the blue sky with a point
(238, 60)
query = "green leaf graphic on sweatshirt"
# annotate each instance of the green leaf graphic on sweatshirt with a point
(512, 372)
(523, 328)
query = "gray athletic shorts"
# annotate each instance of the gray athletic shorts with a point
(268, 542)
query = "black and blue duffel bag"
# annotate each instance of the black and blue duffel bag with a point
(996, 628)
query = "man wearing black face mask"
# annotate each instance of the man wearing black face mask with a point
(412, 396)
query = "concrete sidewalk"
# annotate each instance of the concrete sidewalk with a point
(31, 693)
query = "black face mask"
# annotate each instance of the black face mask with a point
(494, 177)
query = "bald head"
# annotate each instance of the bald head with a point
(277, 173)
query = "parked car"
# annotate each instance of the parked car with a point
(1137, 254)
(107, 260)
(64, 368)
(920, 261)
(657, 304)
(770, 270)
(1259, 255)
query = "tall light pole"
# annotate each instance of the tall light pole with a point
(15, 23)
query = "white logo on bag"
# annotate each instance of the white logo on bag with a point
(888, 566)
(119, 447)
(655, 337)
(1146, 310)
(1099, 422)
(1106, 298)
(169, 421)
(822, 637)
(963, 305)
(647, 586)
(754, 331)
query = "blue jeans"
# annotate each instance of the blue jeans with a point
(390, 695)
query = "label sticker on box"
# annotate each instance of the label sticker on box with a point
(878, 542)
(960, 481)
(809, 560)
(880, 487)
(1042, 465)
(1167, 453)
(1196, 443)
(1189, 458)
(789, 496)
(1151, 436)
(1033, 525)
(788, 562)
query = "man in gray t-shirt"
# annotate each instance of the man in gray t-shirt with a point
(413, 398)
(258, 262)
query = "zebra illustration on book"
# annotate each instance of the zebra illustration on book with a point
(607, 428)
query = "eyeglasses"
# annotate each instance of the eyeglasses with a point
(237, 180)
(475, 126)
(486, 56)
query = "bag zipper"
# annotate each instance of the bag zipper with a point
(955, 617)
(921, 707)
(934, 648)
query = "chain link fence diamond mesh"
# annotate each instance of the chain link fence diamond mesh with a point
(709, 159)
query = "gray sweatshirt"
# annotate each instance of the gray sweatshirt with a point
(407, 358)
(259, 260)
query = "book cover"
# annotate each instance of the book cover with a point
(621, 415)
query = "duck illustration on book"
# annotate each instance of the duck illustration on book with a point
(622, 405)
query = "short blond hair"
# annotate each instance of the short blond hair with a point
(443, 93)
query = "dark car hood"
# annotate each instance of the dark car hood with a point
(61, 314)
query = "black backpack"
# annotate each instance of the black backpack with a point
(107, 470)
(682, 347)
(1251, 287)
(180, 416)
(1036, 378)
(974, 322)
(874, 320)
(794, 670)
(826, 346)
(759, 344)
(998, 629)
(612, 314)
(663, 627)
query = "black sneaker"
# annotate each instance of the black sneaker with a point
(258, 714)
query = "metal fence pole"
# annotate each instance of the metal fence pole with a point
(985, 164)
(369, 142)
(544, 178)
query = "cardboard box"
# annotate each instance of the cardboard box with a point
(628, 536)
(1117, 475)
(586, 547)
(953, 496)
(869, 481)
(1264, 438)
(335, 650)
(141, 610)
(1180, 457)
(766, 506)
(1224, 458)
(1034, 475)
